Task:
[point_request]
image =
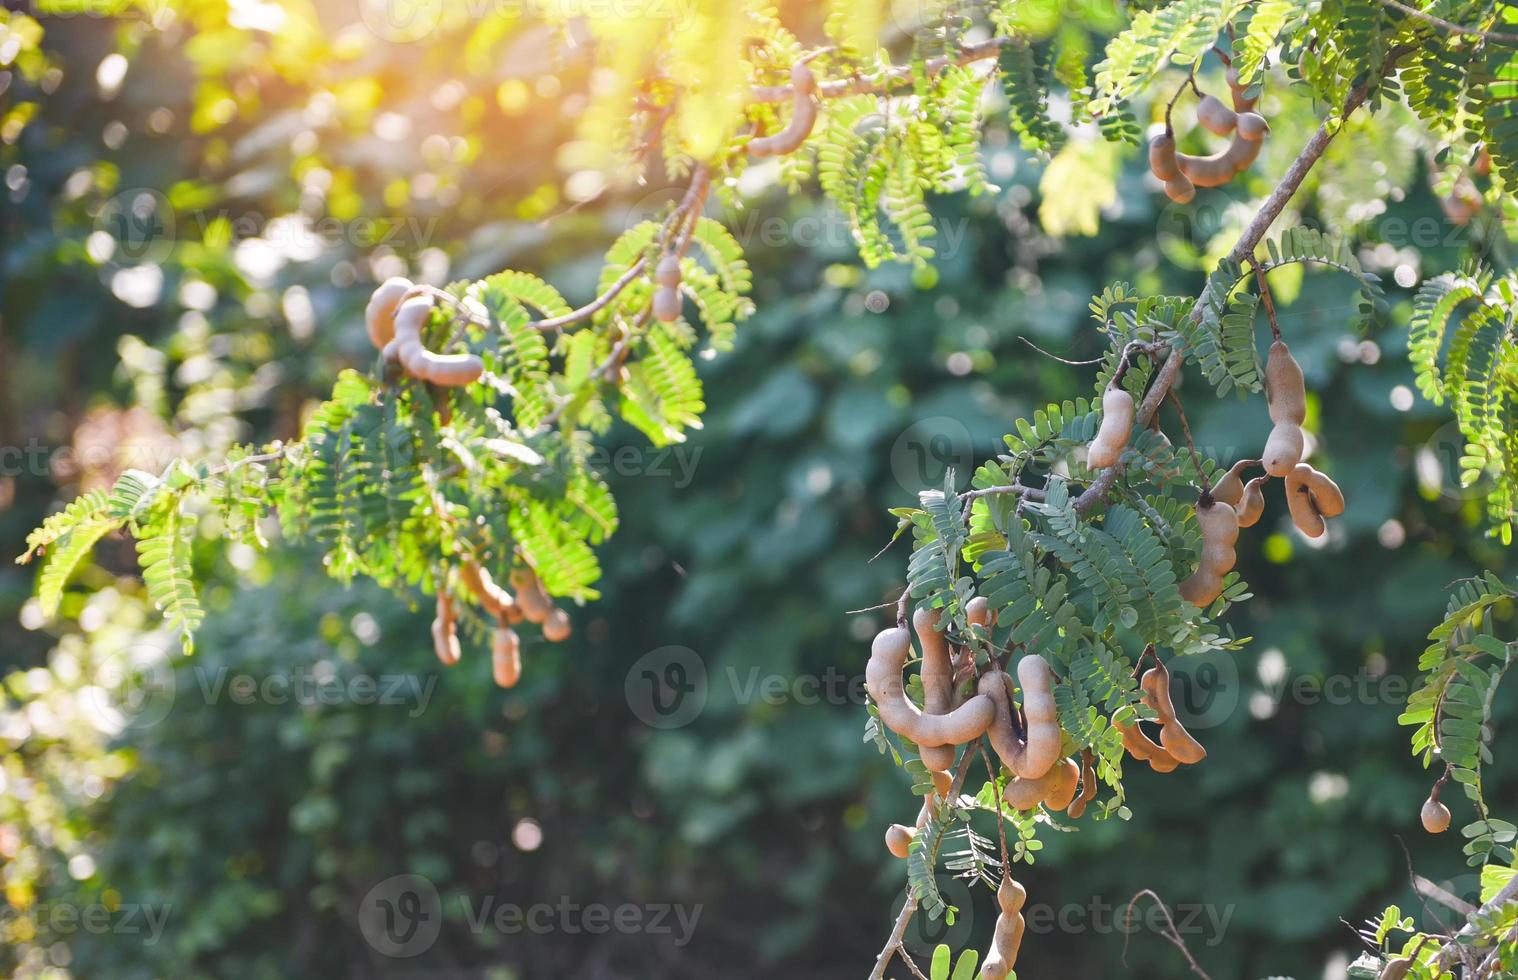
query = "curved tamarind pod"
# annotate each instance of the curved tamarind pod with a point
(1283, 449)
(445, 637)
(1221, 167)
(1253, 505)
(1241, 100)
(1027, 794)
(556, 628)
(1174, 738)
(899, 837)
(1162, 156)
(1326, 495)
(882, 678)
(1219, 524)
(937, 682)
(1299, 500)
(898, 840)
(1285, 387)
(1252, 126)
(1216, 117)
(803, 118)
(534, 602)
(379, 313)
(1112, 435)
(1007, 938)
(1180, 190)
(506, 656)
(1202, 588)
(1077, 809)
(1032, 756)
(447, 370)
(1230, 489)
(1067, 776)
(494, 599)
(1435, 815)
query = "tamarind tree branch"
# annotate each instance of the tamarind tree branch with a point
(898, 76)
(899, 930)
(1242, 250)
(596, 305)
(1450, 950)
(1449, 25)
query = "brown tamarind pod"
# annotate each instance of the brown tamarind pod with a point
(533, 601)
(1007, 937)
(667, 272)
(1285, 386)
(882, 678)
(1219, 524)
(899, 837)
(1253, 505)
(1036, 752)
(492, 598)
(556, 628)
(1077, 809)
(1145, 749)
(1216, 117)
(1326, 495)
(506, 656)
(1221, 167)
(898, 840)
(1230, 489)
(1283, 448)
(1435, 815)
(445, 637)
(1241, 100)
(1162, 156)
(978, 612)
(1116, 425)
(1299, 500)
(937, 682)
(445, 370)
(1180, 190)
(379, 313)
(1174, 738)
(1055, 788)
(667, 304)
(1252, 126)
(803, 118)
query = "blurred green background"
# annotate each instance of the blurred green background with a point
(194, 210)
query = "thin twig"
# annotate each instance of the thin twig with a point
(1267, 300)
(1169, 933)
(1242, 250)
(896, 77)
(596, 305)
(1196, 460)
(1451, 26)
(1056, 357)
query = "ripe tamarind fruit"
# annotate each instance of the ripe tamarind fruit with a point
(1300, 500)
(535, 604)
(445, 370)
(1055, 789)
(1435, 815)
(667, 302)
(803, 118)
(494, 599)
(1162, 161)
(1221, 167)
(882, 678)
(1112, 435)
(1174, 738)
(1032, 755)
(1230, 489)
(898, 840)
(1180, 189)
(899, 837)
(506, 655)
(1286, 399)
(1252, 126)
(1007, 938)
(1252, 506)
(445, 636)
(1241, 100)
(937, 682)
(1216, 117)
(1077, 809)
(1219, 524)
(379, 314)
(556, 628)
(1325, 493)
(1145, 749)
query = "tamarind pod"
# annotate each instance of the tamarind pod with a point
(1285, 387)
(448, 370)
(1162, 157)
(667, 272)
(1077, 809)
(1253, 126)
(1202, 588)
(882, 678)
(1139, 745)
(1180, 189)
(1283, 449)
(667, 304)
(942, 783)
(445, 638)
(1112, 435)
(379, 313)
(1032, 756)
(978, 612)
(506, 656)
(937, 682)
(556, 628)
(1221, 167)
(1396, 969)
(1253, 504)
(1435, 816)
(1326, 495)
(802, 79)
(1230, 489)
(1055, 788)
(1241, 100)
(1007, 937)
(898, 840)
(493, 599)
(1162, 761)
(1174, 738)
(1219, 524)
(533, 601)
(1216, 117)
(1304, 513)
(1062, 789)
(803, 118)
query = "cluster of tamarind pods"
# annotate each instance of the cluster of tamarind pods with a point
(397, 312)
(1027, 743)
(1311, 496)
(1182, 173)
(530, 603)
